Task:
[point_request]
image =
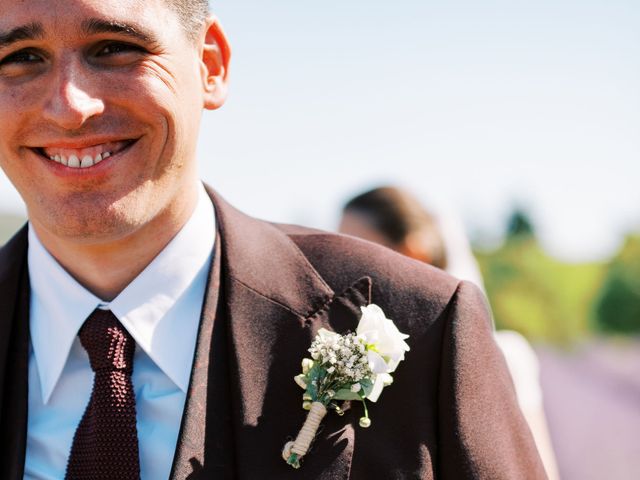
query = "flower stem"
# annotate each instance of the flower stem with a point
(294, 451)
(293, 460)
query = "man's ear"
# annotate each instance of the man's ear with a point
(216, 54)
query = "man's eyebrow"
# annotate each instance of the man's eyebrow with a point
(29, 31)
(97, 25)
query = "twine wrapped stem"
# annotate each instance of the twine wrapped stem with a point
(295, 450)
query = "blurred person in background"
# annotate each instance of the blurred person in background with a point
(392, 217)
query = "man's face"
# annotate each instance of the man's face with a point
(100, 104)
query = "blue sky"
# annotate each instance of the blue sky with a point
(472, 105)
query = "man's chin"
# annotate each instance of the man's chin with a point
(97, 226)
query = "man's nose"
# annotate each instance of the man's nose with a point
(71, 103)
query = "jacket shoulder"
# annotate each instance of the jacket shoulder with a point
(336, 256)
(396, 279)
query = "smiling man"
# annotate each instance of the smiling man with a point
(149, 330)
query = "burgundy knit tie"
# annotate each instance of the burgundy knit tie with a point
(105, 445)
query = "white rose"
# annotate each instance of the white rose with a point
(388, 342)
(382, 380)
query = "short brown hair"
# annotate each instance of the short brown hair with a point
(192, 14)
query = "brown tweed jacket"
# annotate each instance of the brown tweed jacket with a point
(451, 412)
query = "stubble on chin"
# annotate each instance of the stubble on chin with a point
(95, 220)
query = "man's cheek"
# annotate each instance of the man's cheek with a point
(15, 94)
(156, 76)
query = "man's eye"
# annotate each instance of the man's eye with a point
(118, 48)
(21, 57)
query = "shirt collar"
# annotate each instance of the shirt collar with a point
(60, 305)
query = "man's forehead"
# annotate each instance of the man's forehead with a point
(77, 14)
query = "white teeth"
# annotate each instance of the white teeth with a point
(74, 162)
(87, 161)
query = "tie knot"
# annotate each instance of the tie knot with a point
(109, 345)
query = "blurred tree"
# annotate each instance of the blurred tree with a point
(617, 309)
(535, 294)
(519, 225)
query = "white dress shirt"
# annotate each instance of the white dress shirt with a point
(160, 308)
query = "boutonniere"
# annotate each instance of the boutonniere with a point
(353, 366)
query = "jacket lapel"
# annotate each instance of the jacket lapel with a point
(205, 440)
(14, 356)
(275, 302)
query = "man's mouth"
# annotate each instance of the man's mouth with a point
(85, 157)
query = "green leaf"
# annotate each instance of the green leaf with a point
(346, 394)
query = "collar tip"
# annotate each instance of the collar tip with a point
(178, 380)
(46, 396)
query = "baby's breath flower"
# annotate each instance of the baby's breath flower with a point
(343, 355)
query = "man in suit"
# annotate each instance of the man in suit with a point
(100, 104)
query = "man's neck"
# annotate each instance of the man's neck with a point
(105, 268)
